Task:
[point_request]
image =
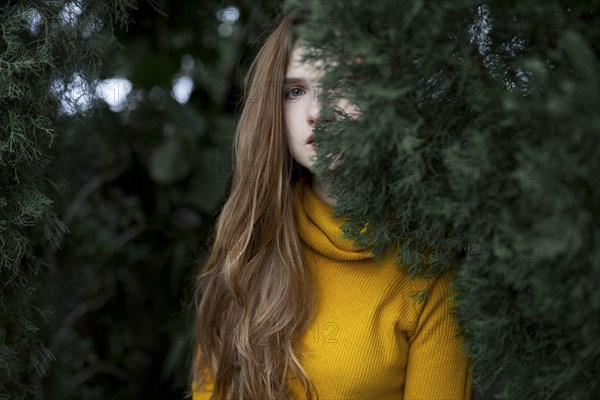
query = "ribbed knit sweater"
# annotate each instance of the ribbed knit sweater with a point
(369, 339)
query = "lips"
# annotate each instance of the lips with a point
(310, 140)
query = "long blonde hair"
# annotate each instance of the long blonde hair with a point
(254, 296)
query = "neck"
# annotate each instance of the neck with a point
(321, 192)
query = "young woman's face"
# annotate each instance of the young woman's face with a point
(302, 107)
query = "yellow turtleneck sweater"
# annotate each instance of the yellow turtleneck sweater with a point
(369, 339)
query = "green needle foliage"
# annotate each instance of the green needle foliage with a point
(480, 135)
(40, 42)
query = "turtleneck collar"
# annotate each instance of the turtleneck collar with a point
(319, 229)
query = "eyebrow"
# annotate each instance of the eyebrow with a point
(293, 80)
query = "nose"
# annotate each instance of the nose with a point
(314, 111)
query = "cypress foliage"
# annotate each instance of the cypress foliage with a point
(40, 43)
(479, 145)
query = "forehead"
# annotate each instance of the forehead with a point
(310, 70)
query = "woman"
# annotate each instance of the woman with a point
(288, 309)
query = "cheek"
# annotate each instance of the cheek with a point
(288, 116)
(288, 112)
(287, 123)
(291, 123)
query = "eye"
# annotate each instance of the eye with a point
(294, 93)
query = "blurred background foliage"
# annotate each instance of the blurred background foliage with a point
(139, 167)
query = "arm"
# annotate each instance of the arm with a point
(437, 366)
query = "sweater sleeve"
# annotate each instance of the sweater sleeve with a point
(204, 392)
(437, 366)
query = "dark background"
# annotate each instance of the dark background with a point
(138, 187)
